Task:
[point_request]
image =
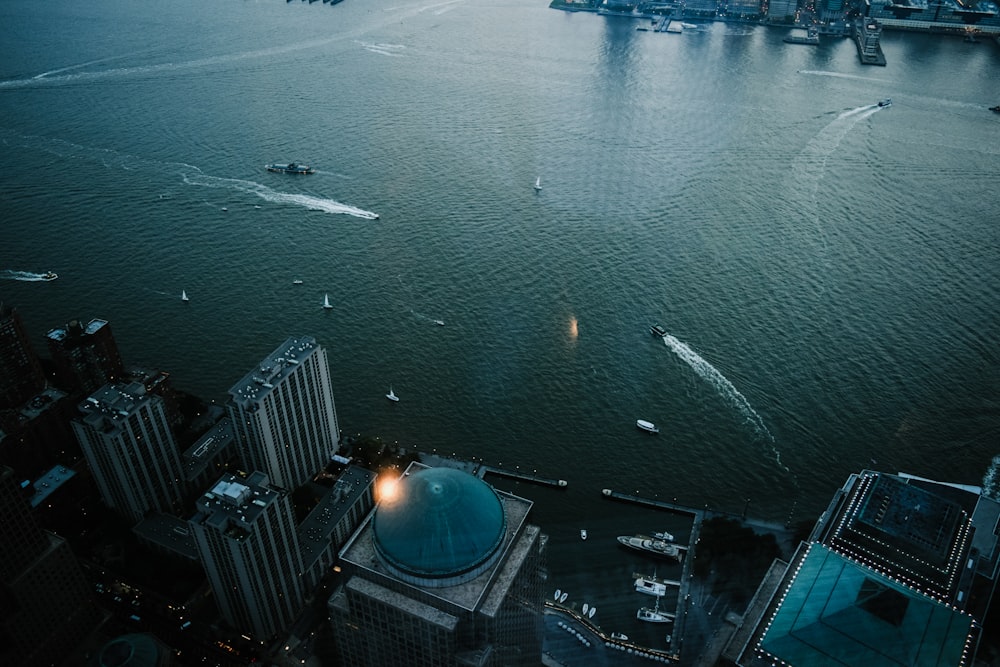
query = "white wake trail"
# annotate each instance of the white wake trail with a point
(725, 388)
(306, 201)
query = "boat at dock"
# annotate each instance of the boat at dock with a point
(812, 37)
(654, 615)
(649, 427)
(650, 545)
(665, 536)
(290, 168)
(620, 636)
(650, 587)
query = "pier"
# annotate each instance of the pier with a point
(697, 515)
(522, 476)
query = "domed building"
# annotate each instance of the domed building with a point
(446, 570)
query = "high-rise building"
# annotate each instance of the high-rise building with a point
(446, 571)
(245, 532)
(85, 357)
(899, 570)
(21, 374)
(45, 607)
(130, 449)
(283, 414)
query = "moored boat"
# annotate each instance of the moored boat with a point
(649, 427)
(650, 545)
(653, 615)
(650, 587)
(289, 168)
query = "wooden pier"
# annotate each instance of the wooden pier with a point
(697, 515)
(522, 476)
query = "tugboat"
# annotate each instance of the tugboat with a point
(290, 168)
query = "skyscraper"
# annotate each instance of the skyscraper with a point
(446, 571)
(283, 414)
(85, 357)
(21, 375)
(45, 610)
(130, 449)
(247, 543)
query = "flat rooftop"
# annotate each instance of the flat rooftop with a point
(273, 369)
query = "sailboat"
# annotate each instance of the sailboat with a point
(392, 396)
(326, 302)
(654, 615)
(184, 296)
(538, 184)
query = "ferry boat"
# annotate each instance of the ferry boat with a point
(290, 168)
(650, 587)
(649, 427)
(650, 545)
(887, 102)
(657, 330)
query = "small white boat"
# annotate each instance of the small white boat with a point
(556, 596)
(49, 275)
(184, 296)
(440, 323)
(538, 184)
(649, 427)
(583, 534)
(665, 536)
(562, 598)
(653, 615)
(392, 396)
(296, 282)
(619, 636)
(326, 302)
(593, 610)
(650, 587)
(586, 608)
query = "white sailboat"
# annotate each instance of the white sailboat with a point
(392, 396)
(538, 184)
(586, 608)
(326, 302)
(184, 296)
(593, 610)
(556, 596)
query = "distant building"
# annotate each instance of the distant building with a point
(37, 435)
(244, 529)
(45, 605)
(898, 570)
(446, 571)
(85, 357)
(954, 16)
(744, 8)
(130, 449)
(21, 374)
(284, 416)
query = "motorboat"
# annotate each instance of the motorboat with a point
(583, 534)
(296, 282)
(665, 536)
(49, 275)
(326, 302)
(995, 109)
(649, 427)
(562, 598)
(620, 636)
(290, 168)
(887, 102)
(650, 545)
(440, 323)
(650, 587)
(657, 330)
(392, 396)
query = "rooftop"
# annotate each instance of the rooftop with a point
(316, 529)
(276, 367)
(234, 503)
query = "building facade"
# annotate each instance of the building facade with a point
(129, 445)
(446, 571)
(283, 414)
(45, 605)
(85, 357)
(21, 374)
(245, 533)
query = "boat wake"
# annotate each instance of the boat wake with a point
(840, 75)
(725, 388)
(267, 194)
(25, 276)
(383, 49)
(991, 480)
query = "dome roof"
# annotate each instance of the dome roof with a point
(135, 650)
(440, 527)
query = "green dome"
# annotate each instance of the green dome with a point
(440, 527)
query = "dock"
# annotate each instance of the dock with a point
(522, 476)
(697, 515)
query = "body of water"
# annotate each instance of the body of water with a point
(827, 270)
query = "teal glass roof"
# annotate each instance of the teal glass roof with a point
(837, 612)
(438, 524)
